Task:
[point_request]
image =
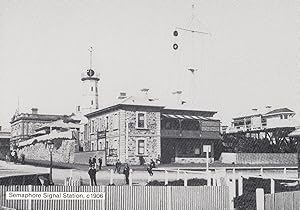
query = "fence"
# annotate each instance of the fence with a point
(125, 197)
(282, 201)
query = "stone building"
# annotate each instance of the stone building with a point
(24, 125)
(136, 129)
(4, 142)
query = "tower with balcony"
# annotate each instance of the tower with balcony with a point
(90, 79)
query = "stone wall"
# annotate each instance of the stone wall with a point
(260, 158)
(63, 151)
(122, 134)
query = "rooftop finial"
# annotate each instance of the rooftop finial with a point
(91, 55)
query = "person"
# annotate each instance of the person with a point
(94, 161)
(92, 173)
(149, 169)
(90, 162)
(126, 173)
(100, 163)
(16, 157)
(118, 166)
(152, 164)
(22, 159)
(142, 160)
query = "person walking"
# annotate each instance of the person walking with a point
(90, 162)
(126, 173)
(118, 166)
(94, 161)
(100, 163)
(152, 164)
(92, 173)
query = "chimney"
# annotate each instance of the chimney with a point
(122, 96)
(34, 110)
(178, 97)
(145, 92)
(77, 108)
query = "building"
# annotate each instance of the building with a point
(24, 125)
(276, 118)
(138, 128)
(4, 142)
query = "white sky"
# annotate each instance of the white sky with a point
(251, 59)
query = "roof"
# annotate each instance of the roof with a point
(295, 133)
(52, 136)
(281, 110)
(189, 117)
(58, 124)
(145, 102)
(262, 113)
(41, 117)
(130, 101)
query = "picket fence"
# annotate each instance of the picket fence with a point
(282, 201)
(126, 197)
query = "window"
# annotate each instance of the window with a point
(92, 88)
(115, 121)
(92, 102)
(141, 147)
(93, 126)
(92, 146)
(141, 120)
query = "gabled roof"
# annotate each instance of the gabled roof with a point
(280, 110)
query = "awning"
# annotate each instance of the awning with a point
(189, 117)
(295, 133)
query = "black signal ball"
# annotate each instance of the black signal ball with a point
(175, 46)
(175, 33)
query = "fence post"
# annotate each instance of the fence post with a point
(166, 177)
(178, 174)
(261, 171)
(240, 183)
(208, 178)
(130, 177)
(260, 199)
(29, 204)
(111, 181)
(214, 180)
(231, 194)
(272, 186)
(149, 178)
(285, 172)
(185, 179)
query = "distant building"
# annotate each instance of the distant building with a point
(276, 118)
(4, 142)
(134, 129)
(24, 125)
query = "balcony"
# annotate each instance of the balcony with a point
(189, 134)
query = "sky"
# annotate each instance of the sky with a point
(249, 60)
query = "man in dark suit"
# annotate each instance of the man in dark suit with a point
(92, 172)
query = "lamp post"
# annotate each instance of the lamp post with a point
(50, 146)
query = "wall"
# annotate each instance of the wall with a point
(151, 135)
(192, 160)
(122, 134)
(260, 158)
(83, 157)
(63, 151)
